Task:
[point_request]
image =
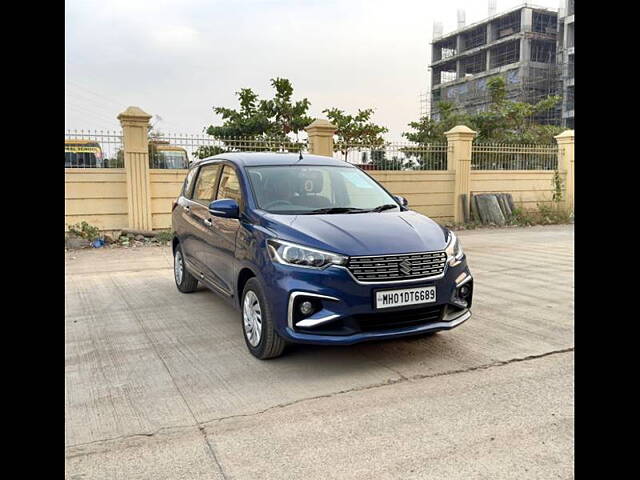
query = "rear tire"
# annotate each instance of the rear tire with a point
(185, 282)
(258, 329)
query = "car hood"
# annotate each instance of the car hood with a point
(361, 233)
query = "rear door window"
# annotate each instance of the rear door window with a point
(187, 188)
(229, 185)
(206, 184)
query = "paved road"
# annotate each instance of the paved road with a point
(159, 385)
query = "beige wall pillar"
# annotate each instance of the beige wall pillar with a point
(320, 133)
(460, 139)
(566, 145)
(135, 126)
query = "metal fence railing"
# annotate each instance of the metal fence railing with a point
(98, 149)
(104, 149)
(394, 156)
(202, 146)
(92, 149)
(498, 156)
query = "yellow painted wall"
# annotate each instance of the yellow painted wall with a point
(428, 192)
(527, 187)
(97, 196)
(165, 187)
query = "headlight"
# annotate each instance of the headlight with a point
(454, 250)
(289, 253)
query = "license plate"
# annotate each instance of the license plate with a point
(405, 296)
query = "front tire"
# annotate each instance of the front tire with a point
(185, 282)
(257, 325)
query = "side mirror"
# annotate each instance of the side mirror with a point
(401, 200)
(224, 208)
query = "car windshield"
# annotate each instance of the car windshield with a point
(82, 159)
(323, 189)
(170, 159)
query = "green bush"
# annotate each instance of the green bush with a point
(552, 214)
(164, 236)
(522, 218)
(85, 230)
(557, 186)
(545, 214)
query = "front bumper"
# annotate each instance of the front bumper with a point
(345, 310)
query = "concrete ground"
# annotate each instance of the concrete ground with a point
(159, 385)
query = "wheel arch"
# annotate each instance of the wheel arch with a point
(244, 275)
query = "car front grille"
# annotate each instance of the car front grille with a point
(397, 267)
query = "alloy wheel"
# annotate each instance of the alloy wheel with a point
(178, 267)
(252, 318)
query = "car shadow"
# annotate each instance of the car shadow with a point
(392, 353)
(409, 352)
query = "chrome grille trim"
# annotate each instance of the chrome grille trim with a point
(383, 268)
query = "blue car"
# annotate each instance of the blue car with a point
(313, 250)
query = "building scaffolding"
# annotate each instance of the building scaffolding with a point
(504, 54)
(473, 63)
(543, 51)
(447, 48)
(506, 25)
(474, 38)
(544, 23)
(520, 45)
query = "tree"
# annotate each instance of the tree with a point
(504, 121)
(428, 130)
(204, 151)
(514, 122)
(381, 162)
(355, 131)
(153, 131)
(288, 117)
(276, 117)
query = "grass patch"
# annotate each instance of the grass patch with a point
(164, 236)
(85, 230)
(544, 214)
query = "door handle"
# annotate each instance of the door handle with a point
(186, 208)
(207, 222)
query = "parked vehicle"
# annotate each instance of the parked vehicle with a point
(314, 250)
(164, 155)
(79, 153)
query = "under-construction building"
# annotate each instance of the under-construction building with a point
(519, 44)
(565, 53)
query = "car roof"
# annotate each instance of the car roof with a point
(162, 146)
(251, 159)
(79, 141)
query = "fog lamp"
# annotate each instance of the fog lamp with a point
(306, 308)
(464, 291)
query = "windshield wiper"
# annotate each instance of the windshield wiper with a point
(336, 210)
(386, 206)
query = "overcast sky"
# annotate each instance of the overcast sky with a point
(177, 59)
